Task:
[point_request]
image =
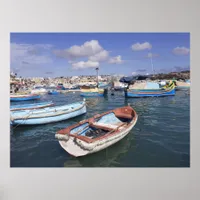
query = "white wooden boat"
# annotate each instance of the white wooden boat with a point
(48, 114)
(97, 133)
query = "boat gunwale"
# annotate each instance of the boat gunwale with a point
(33, 108)
(24, 96)
(162, 90)
(156, 92)
(40, 116)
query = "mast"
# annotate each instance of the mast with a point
(152, 67)
(97, 69)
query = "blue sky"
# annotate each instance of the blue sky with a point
(71, 54)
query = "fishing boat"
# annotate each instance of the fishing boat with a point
(25, 97)
(48, 114)
(97, 90)
(97, 133)
(53, 92)
(60, 87)
(90, 91)
(31, 106)
(139, 87)
(167, 91)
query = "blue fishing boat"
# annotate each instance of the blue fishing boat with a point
(53, 92)
(47, 115)
(150, 89)
(24, 97)
(136, 93)
(155, 87)
(31, 106)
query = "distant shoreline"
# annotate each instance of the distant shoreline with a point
(170, 75)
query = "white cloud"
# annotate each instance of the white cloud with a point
(181, 51)
(134, 73)
(29, 54)
(116, 60)
(84, 65)
(89, 48)
(151, 55)
(141, 46)
(100, 57)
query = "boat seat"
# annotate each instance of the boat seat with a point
(103, 125)
(124, 115)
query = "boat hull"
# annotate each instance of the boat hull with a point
(135, 93)
(91, 94)
(53, 93)
(25, 98)
(31, 106)
(78, 151)
(45, 119)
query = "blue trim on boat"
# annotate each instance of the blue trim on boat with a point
(91, 94)
(24, 98)
(53, 92)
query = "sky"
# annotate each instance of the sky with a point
(74, 54)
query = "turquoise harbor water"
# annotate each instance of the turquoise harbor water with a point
(160, 138)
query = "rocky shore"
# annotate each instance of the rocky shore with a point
(184, 75)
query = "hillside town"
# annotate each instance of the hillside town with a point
(77, 81)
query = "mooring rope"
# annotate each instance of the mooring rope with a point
(22, 119)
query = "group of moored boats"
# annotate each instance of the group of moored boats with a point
(96, 133)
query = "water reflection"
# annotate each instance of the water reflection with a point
(109, 157)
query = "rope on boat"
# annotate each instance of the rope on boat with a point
(22, 119)
(90, 106)
(62, 137)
